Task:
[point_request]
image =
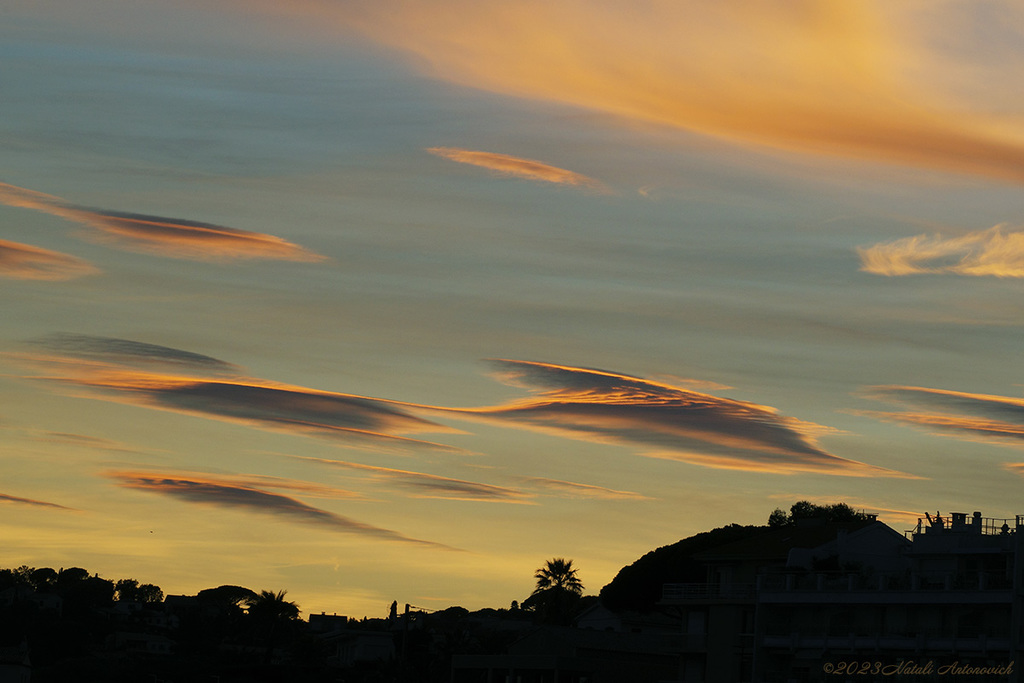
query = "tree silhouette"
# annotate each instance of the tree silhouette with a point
(43, 579)
(272, 606)
(558, 574)
(226, 597)
(131, 591)
(271, 615)
(557, 593)
(837, 512)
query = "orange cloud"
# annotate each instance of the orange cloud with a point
(26, 262)
(659, 419)
(665, 421)
(970, 416)
(162, 236)
(572, 489)
(432, 485)
(359, 420)
(517, 167)
(994, 252)
(835, 78)
(228, 493)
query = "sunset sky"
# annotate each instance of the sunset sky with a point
(395, 300)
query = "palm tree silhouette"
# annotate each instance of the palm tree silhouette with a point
(272, 615)
(558, 574)
(271, 606)
(557, 593)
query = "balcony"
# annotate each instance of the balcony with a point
(905, 587)
(677, 593)
(916, 643)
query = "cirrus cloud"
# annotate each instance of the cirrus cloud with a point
(128, 351)
(26, 262)
(173, 237)
(665, 421)
(975, 417)
(102, 368)
(431, 485)
(227, 493)
(517, 167)
(996, 252)
(571, 489)
(7, 498)
(656, 418)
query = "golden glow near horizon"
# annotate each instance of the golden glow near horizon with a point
(517, 280)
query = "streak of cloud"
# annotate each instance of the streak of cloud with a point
(665, 421)
(572, 489)
(358, 420)
(969, 416)
(7, 498)
(833, 78)
(995, 252)
(85, 441)
(308, 488)
(529, 169)
(127, 351)
(227, 494)
(660, 419)
(432, 485)
(173, 237)
(27, 262)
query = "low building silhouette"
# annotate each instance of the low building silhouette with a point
(15, 665)
(807, 602)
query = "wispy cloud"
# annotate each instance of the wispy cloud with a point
(659, 419)
(85, 441)
(432, 485)
(308, 488)
(6, 498)
(530, 169)
(229, 494)
(996, 252)
(571, 489)
(127, 351)
(358, 420)
(966, 415)
(666, 421)
(159, 235)
(26, 262)
(855, 79)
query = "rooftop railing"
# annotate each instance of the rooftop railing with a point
(960, 522)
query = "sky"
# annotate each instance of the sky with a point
(393, 300)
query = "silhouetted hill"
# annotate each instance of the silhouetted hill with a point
(638, 586)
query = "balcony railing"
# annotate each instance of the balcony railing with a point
(841, 582)
(676, 592)
(902, 581)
